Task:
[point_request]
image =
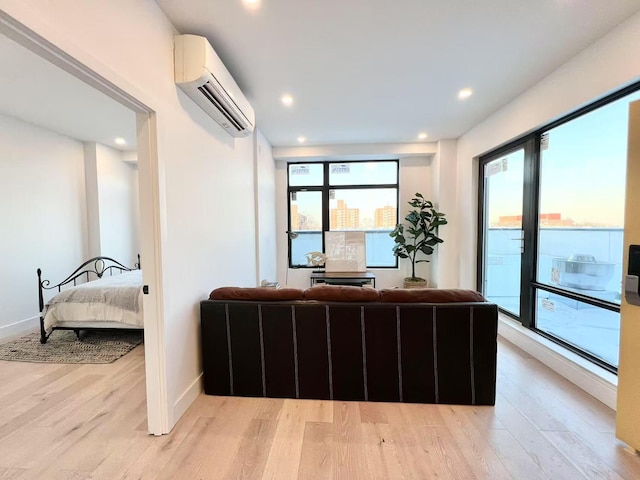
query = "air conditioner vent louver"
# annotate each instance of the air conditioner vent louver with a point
(201, 75)
(209, 92)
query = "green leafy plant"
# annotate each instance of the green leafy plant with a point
(420, 236)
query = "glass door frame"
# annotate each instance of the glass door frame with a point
(530, 146)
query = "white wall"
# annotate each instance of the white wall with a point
(444, 264)
(265, 184)
(602, 68)
(93, 202)
(117, 200)
(208, 230)
(415, 176)
(42, 216)
(113, 219)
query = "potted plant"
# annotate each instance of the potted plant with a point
(419, 237)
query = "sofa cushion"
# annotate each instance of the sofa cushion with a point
(429, 295)
(258, 293)
(341, 293)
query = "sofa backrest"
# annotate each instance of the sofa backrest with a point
(345, 293)
(348, 350)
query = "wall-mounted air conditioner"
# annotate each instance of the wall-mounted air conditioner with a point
(202, 75)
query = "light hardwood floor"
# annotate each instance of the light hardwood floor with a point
(88, 421)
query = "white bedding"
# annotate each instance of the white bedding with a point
(116, 298)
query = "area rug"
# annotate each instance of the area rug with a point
(63, 347)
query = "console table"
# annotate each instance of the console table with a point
(358, 279)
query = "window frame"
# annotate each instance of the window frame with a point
(325, 188)
(530, 285)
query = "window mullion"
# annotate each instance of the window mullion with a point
(530, 228)
(325, 204)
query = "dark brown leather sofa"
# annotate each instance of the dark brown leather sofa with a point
(350, 343)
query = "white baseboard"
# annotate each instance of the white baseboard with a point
(17, 328)
(594, 380)
(188, 397)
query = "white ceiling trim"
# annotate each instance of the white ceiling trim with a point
(381, 151)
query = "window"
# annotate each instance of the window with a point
(343, 196)
(551, 228)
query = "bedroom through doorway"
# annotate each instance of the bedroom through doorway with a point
(69, 186)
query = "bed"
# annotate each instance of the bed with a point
(100, 294)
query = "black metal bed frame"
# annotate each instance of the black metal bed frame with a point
(97, 266)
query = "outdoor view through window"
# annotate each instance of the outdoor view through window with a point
(341, 197)
(580, 211)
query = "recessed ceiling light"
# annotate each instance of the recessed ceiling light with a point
(287, 100)
(301, 139)
(422, 136)
(465, 93)
(120, 141)
(252, 4)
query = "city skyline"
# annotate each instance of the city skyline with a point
(546, 220)
(343, 217)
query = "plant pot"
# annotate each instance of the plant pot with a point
(415, 283)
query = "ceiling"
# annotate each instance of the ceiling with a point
(38, 92)
(378, 71)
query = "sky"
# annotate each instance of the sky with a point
(582, 170)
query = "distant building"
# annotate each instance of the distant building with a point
(295, 218)
(385, 217)
(343, 217)
(300, 222)
(546, 220)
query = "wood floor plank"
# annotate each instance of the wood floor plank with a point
(43, 396)
(84, 446)
(483, 417)
(550, 397)
(417, 457)
(122, 408)
(62, 474)
(91, 397)
(582, 457)
(251, 457)
(41, 408)
(550, 460)
(213, 454)
(19, 395)
(287, 441)
(348, 445)
(154, 458)
(531, 371)
(89, 421)
(373, 412)
(11, 473)
(127, 452)
(270, 409)
(528, 401)
(514, 457)
(316, 457)
(449, 457)
(318, 410)
(56, 441)
(481, 459)
(13, 383)
(422, 414)
(383, 462)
